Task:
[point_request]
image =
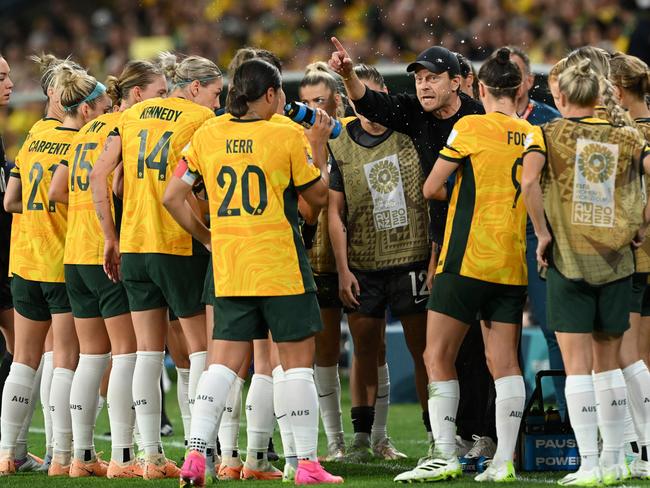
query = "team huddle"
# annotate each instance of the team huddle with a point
(144, 221)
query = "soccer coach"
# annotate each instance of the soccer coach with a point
(427, 117)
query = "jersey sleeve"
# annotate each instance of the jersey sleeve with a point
(535, 141)
(336, 178)
(460, 142)
(303, 171)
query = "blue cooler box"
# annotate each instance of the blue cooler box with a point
(546, 442)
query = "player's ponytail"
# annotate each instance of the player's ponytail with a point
(77, 87)
(246, 54)
(113, 89)
(501, 76)
(135, 73)
(631, 74)
(369, 73)
(580, 84)
(250, 82)
(192, 68)
(48, 66)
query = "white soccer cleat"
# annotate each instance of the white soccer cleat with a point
(640, 469)
(501, 473)
(582, 477)
(436, 469)
(615, 474)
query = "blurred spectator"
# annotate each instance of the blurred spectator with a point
(103, 34)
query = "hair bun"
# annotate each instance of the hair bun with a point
(584, 66)
(503, 56)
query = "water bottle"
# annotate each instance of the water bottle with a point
(305, 116)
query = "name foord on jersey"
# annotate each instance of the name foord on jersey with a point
(162, 113)
(385, 183)
(594, 183)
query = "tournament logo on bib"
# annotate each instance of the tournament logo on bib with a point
(385, 183)
(594, 183)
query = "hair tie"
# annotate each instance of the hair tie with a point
(98, 91)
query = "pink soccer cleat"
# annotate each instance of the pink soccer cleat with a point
(312, 473)
(193, 470)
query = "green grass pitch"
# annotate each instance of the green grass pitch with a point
(405, 428)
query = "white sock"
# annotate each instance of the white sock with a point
(101, 401)
(630, 434)
(211, 394)
(183, 397)
(61, 420)
(83, 402)
(121, 413)
(382, 403)
(21, 442)
(147, 399)
(15, 405)
(229, 426)
(510, 400)
(45, 388)
(197, 366)
(637, 378)
(581, 405)
(443, 406)
(611, 397)
(282, 407)
(328, 386)
(304, 411)
(260, 417)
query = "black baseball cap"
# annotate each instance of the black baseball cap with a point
(436, 59)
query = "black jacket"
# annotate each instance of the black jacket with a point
(403, 113)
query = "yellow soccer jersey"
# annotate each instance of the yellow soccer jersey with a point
(153, 133)
(252, 171)
(84, 242)
(40, 126)
(485, 235)
(38, 248)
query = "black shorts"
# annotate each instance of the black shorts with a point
(403, 289)
(208, 285)
(39, 300)
(578, 307)
(289, 318)
(468, 299)
(327, 286)
(639, 285)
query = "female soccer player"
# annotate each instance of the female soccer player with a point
(99, 306)
(40, 297)
(48, 66)
(262, 165)
(631, 79)
(157, 260)
(481, 271)
(375, 203)
(586, 212)
(320, 89)
(262, 396)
